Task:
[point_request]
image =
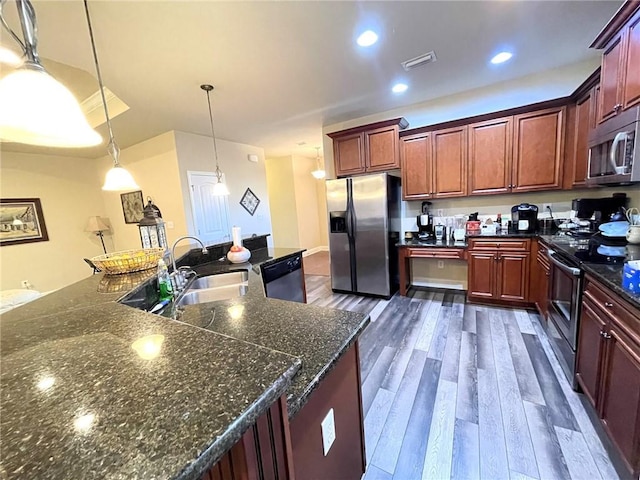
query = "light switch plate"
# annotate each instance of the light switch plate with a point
(328, 431)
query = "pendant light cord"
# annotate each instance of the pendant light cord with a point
(112, 148)
(213, 133)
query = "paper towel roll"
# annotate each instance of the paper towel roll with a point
(237, 239)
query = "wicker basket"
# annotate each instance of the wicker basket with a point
(127, 261)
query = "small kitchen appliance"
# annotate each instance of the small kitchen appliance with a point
(524, 218)
(425, 222)
(592, 212)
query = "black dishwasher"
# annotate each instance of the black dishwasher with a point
(284, 279)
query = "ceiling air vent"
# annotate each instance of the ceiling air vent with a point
(423, 59)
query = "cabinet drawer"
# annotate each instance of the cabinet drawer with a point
(446, 253)
(611, 305)
(499, 244)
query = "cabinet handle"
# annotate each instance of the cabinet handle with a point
(608, 304)
(617, 107)
(606, 335)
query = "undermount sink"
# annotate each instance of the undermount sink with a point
(220, 280)
(216, 287)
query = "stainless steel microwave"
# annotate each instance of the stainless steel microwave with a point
(614, 153)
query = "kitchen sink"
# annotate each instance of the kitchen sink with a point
(220, 280)
(216, 287)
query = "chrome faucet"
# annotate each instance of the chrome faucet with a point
(173, 254)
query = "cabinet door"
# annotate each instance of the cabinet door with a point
(348, 153)
(450, 162)
(631, 92)
(590, 350)
(538, 147)
(620, 400)
(415, 153)
(513, 277)
(381, 149)
(610, 79)
(585, 122)
(490, 155)
(481, 275)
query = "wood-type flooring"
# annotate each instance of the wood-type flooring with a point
(460, 391)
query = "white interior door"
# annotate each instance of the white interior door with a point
(210, 212)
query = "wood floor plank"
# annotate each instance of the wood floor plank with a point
(521, 476)
(597, 450)
(469, 319)
(387, 451)
(576, 453)
(467, 399)
(525, 374)
(429, 323)
(559, 409)
(378, 309)
(438, 459)
(466, 450)
(439, 340)
(524, 322)
(374, 380)
(374, 473)
(451, 356)
(375, 420)
(493, 451)
(414, 445)
(484, 344)
(549, 456)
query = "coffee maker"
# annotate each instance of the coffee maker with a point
(425, 222)
(591, 212)
(524, 218)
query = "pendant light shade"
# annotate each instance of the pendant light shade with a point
(118, 179)
(35, 108)
(319, 172)
(220, 188)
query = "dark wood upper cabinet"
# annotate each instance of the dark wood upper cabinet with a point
(450, 162)
(631, 92)
(584, 122)
(538, 150)
(368, 148)
(415, 156)
(490, 156)
(610, 98)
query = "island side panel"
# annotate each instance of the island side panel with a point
(340, 390)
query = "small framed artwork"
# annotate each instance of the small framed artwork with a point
(249, 201)
(21, 221)
(132, 205)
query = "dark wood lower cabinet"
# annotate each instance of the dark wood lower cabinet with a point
(608, 367)
(513, 277)
(539, 285)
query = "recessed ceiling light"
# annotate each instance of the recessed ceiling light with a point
(501, 57)
(399, 88)
(368, 38)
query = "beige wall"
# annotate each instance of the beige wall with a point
(69, 189)
(195, 153)
(323, 218)
(154, 166)
(306, 202)
(282, 200)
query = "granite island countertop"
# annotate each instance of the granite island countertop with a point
(221, 365)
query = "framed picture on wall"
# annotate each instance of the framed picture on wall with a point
(21, 221)
(132, 205)
(249, 201)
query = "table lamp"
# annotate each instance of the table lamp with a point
(97, 225)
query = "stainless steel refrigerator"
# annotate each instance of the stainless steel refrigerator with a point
(364, 228)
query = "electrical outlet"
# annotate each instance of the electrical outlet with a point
(169, 224)
(546, 207)
(440, 264)
(328, 431)
(440, 212)
(25, 284)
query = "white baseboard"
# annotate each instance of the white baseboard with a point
(311, 251)
(438, 284)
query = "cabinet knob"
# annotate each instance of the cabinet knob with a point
(606, 335)
(617, 107)
(608, 304)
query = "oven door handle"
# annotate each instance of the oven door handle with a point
(576, 272)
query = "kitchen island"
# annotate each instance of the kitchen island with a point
(95, 389)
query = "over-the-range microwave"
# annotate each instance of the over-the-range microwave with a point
(614, 153)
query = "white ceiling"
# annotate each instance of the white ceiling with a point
(284, 69)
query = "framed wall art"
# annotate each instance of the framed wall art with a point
(21, 221)
(132, 205)
(249, 201)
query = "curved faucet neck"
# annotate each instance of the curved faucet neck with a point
(173, 248)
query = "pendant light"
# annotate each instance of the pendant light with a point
(220, 188)
(35, 108)
(117, 179)
(319, 172)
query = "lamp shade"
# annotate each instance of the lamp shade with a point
(319, 174)
(119, 179)
(36, 109)
(96, 224)
(220, 189)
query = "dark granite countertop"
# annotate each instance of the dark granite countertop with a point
(221, 365)
(462, 244)
(611, 276)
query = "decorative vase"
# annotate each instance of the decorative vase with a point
(239, 257)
